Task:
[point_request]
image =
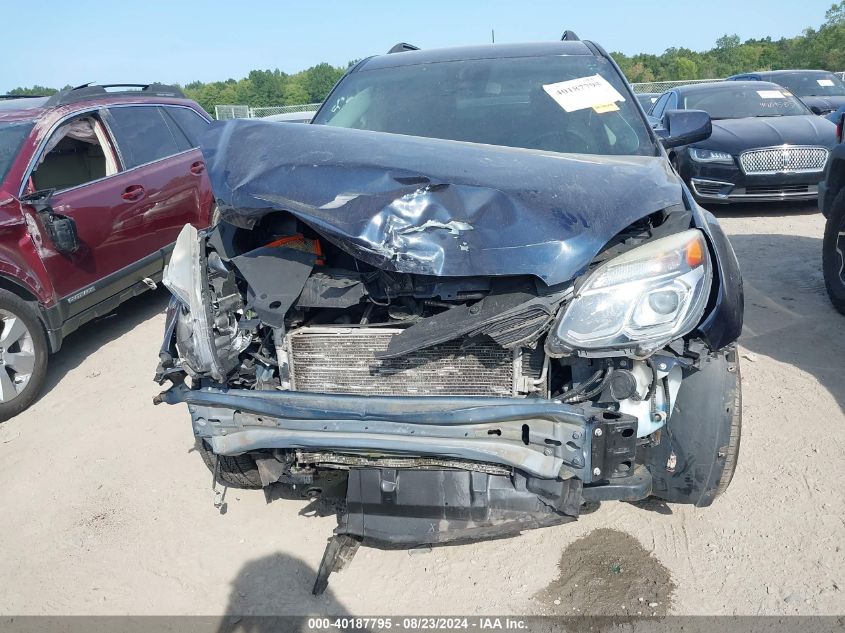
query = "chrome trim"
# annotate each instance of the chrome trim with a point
(43, 142)
(784, 148)
(704, 181)
(810, 194)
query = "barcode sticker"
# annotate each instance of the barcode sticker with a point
(586, 92)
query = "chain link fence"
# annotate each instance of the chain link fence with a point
(222, 112)
(663, 86)
(290, 109)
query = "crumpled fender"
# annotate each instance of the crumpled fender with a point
(722, 324)
(19, 259)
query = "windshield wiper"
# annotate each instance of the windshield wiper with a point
(764, 116)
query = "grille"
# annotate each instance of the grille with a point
(767, 190)
(342, 360)
(773, 160)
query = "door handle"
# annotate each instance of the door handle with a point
(133, 192)
(197, 168)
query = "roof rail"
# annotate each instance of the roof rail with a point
(3, 97)
(401, 47)
(569, 36)
(92, 91)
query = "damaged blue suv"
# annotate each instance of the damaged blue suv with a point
(468, 299)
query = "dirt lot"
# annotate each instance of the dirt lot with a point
(105, 510)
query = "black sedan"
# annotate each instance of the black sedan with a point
(836, 117)
(821, 90)
(766, 145)
(647, 99)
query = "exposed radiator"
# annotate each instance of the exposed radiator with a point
(342, 360)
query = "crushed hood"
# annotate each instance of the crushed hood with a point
(435, 207)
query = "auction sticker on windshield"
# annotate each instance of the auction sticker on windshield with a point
(586, 92)
(825, 82)
(770, 94)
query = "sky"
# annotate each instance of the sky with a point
(63, 42)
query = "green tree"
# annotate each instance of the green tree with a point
(40, 91)
(295, 93)
(319, 79)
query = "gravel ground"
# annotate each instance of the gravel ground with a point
(106, 511)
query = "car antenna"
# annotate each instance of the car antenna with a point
(569, 36)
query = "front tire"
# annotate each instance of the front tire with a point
(239, 471)
(833, 253)
(23, 355)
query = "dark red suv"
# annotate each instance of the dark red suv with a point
(95, 184)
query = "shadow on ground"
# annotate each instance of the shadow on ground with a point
(788, 316)
(94, 335)
(273, 586)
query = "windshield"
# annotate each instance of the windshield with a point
(728, 102)
(504, 101)
(11, 137)
(811, 84)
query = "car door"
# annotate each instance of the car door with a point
(169, 178)
(78, 162)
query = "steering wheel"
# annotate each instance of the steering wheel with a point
(557, 139)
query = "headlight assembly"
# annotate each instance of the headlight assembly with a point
(640, 300)
(710, 156)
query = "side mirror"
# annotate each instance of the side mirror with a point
(683, 127)
(817, 109)
(61, 229)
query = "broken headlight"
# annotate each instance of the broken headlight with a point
(641, 299)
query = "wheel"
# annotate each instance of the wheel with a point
(833, 253)
(236, 472)
(23, 355)
(699, 449)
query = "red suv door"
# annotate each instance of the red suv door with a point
(128, 218)
(79, 163)
(169, 179)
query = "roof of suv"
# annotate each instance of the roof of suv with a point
(33, 108)
(777, 73)
(723, 85)
(484, 51)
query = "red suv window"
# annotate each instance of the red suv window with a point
(189, 122)
(144, 135)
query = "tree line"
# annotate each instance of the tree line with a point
(822, 48)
